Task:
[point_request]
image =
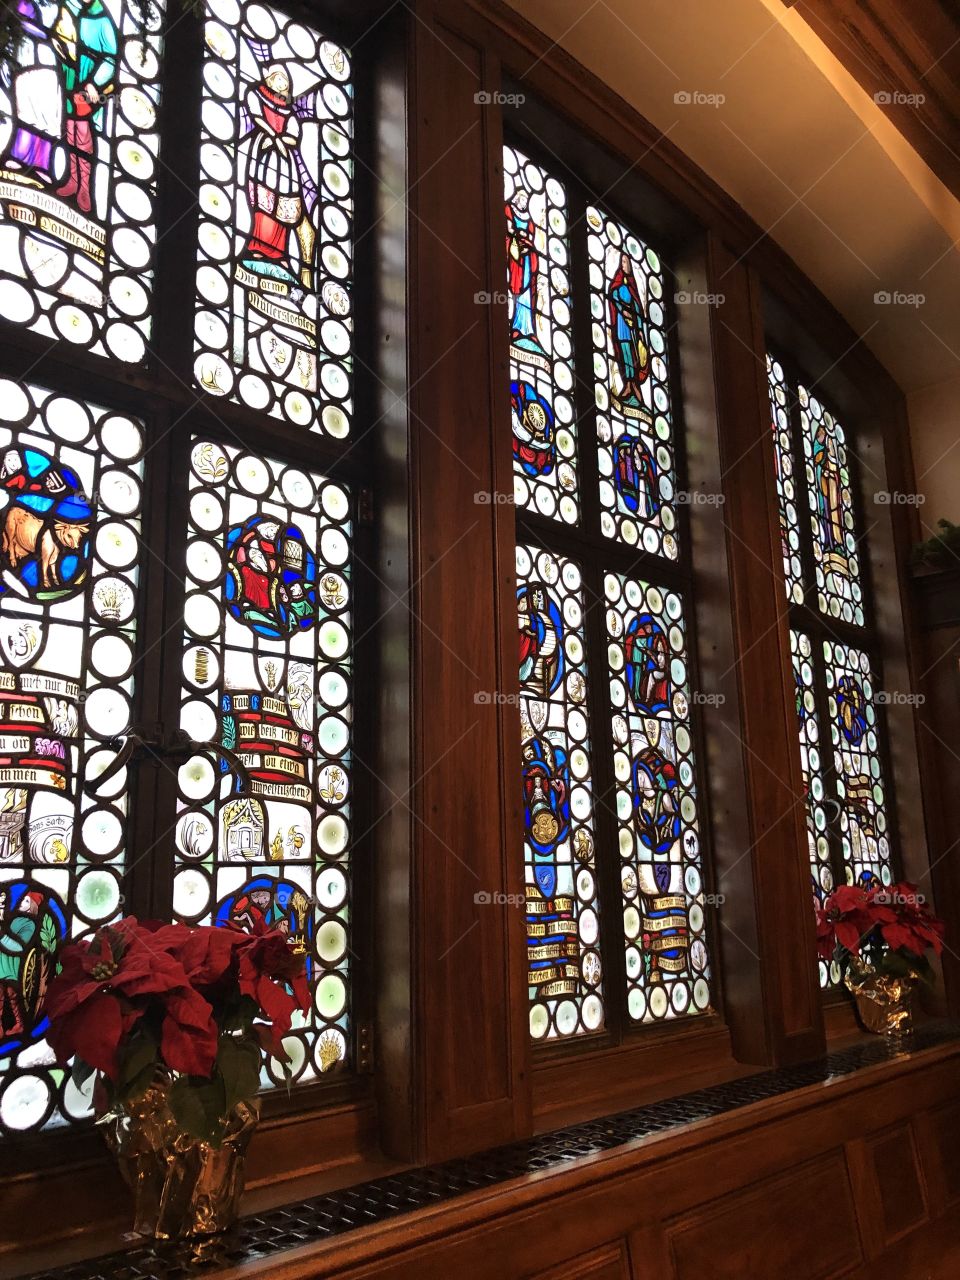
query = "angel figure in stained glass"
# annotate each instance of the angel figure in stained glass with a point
(280, 190)
(627, 327)
(87, 43)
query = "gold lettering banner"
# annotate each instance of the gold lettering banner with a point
(664, 922)
(42, 200)
(280, 790)
(31, 683)
(25, 712)
(33, 777)
(252, 281)
(548, 906)
(281, 314)
(555, 926)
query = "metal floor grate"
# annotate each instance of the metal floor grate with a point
(265, 1235)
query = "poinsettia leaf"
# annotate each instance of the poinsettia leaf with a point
(238, 1061)
(80, 1073)
(136, 1059)
(198, 1107)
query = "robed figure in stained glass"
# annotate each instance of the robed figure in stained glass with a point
(829, 488)
(627, 328)
(523, 265)
(279, 189)
(36, 95)
(87, 42)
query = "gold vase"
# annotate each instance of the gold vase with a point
(183, 1187)
(884, 1001)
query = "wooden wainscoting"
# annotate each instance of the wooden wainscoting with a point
(854, 1178)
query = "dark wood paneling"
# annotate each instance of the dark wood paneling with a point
(469, 1027)
(764, 1231)
(769, 944)
(903, 1200)
(608, 1263)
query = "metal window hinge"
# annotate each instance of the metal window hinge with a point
(364, 1046)
(365, 506)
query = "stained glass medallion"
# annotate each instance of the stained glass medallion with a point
(541, 344)
(70, 492)
(860, 785)
(273, 326)
(634, 422)
(786, 481)
(563, 926)
(78, 160)
(839, 590)
(668, 971)
(262, 832)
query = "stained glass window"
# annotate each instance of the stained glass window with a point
(274, 312)
(70, 493)
(78, 163)
(661, 873)
(786, 480)
(632, 391)
(563, 927)
(854, 732)
(264, 810)
(832, 522)
(541, 345)
(811, 762)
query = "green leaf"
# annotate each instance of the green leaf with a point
(198, 1107)
(48, 934)
(138, 1065)
(238, 1061)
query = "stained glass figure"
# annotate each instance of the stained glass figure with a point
(632, 390)
(274, 325)
(839, 590)
(262, 832)
(856, 752)
(563, 926)
(541, 344)
(70, 493)
(668, 971)
(78, 159)
(786, 485)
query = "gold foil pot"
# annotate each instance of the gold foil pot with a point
(182, 1187)
(884, 1001)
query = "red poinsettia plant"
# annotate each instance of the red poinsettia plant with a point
(196, 1008)
(888, 927)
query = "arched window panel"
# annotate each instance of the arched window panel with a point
(856, 751)
(541, 342)
(70, 492)
(566, 997)
(78, 163)
(273, 326)
(263, 816)
(832, 520)
(811, 763)
(786, 480)
(668, 971)
(632, 390)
